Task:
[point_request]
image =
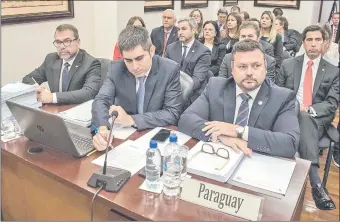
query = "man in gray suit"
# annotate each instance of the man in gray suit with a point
(72, 74)
(168, 33)
(248, 30)
(193, 57)
(316, 85)
(247, 112)
(143, 88)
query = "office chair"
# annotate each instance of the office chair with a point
(187, 85)
(105, 66)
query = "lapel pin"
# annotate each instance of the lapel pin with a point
(260, 103)
(323, 70)
(76, 66)
(193, 50)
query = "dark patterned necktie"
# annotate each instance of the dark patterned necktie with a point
(65, 78)
(243, 111)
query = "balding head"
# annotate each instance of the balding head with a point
(169, 19)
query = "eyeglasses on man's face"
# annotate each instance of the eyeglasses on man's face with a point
(220, 152)
(66, 42)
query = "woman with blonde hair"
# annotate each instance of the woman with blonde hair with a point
(198, 16)
(269, 34)
(230, 31)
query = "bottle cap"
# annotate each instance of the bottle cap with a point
(153, 144)
(173, 138)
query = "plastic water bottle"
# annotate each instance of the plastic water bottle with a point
(153, 166)
(184, 150)
(172, 169)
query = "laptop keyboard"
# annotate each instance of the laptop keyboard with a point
(83, 144)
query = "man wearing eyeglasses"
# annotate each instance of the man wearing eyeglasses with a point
(72, 74)
(246, 112)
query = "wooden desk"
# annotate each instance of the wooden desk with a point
(52, 186)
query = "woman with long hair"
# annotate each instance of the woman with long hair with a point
(211, 39)
(230, 31)
(135, 21)
(269, 34)
(198, 16)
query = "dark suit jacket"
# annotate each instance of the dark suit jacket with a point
(337, 34)
(84, 77)
(278, 49)
(291, 40)
(273, 125)
(267, 48)
(226, 72)
(217, 55)
(196, 63)
(162, 100)
(157, 38)
(325, 90)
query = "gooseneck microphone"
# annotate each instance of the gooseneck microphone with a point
(113, 115)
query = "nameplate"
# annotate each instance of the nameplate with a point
(222, 199)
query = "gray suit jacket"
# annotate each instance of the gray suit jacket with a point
(157, 38)
(84, 77)
(196, 63)
(226, 72)
(267, 48)
(325, 90)
(162, 100)
(273, 125)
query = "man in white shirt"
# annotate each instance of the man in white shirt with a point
(247, 111)
(72, 74)
(316, 84)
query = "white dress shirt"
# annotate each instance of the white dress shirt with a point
(239, 100)
(188, 45)
(54, 99)
(146, 76)
(315, 66)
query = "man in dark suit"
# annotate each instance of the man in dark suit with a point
(316, 85)
(193, 57)
(247, 112)
(168, 33)
(143, 88)
(73, 75)
(248, 30)
(222, 14)
(335, 27)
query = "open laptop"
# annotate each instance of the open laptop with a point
(50, 130)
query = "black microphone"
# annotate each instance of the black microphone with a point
(109, 178)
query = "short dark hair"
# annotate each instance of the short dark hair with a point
(247, 45)
(277, 11)
(255, 20)
(217, 37)
(223, 11)
(133, 19)
(65, 27)
(313, 28)
(336, 13)
(250, 24)
(235, 6)
(283, 21)
(133, 36)
(246, 15)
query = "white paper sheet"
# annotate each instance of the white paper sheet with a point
(124, 156)
(143, 141)
(121, 132)
(265, 172)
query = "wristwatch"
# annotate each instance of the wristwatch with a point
(240, 131)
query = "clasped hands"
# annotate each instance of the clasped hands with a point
(101, 138)
(226, 133)
(43, 95)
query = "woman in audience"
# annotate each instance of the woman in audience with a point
(229, 34)
(269, 34)
(135, 21)
(211, 37)
(244, 16)
(198, 16)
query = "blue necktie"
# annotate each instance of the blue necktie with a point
(243, 111)
(140, 94)
(65, 77)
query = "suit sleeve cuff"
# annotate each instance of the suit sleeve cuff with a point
(54, 99)
(245, 133)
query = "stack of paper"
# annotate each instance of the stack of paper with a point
(19, 93)
(80, 115)
(207, 165)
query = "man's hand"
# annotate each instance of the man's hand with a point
(303, 108)
(123, 118)
(216, 128)
(223, 33)
(101, 138)
(44, 96)
(236, 144)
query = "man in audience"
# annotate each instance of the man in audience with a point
(277, 12)
(143, 88)
(163, 36)
(316, 85)
(335, 26)
(72, 74)
(221, 17)
(246, 112)
(247, 30)
(267, 47)
(235, 8)
(244, 16)
(193, 57)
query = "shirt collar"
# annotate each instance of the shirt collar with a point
(190, 43)
(316, 61)
(169, 30)
(71, 61)
(252, 94)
